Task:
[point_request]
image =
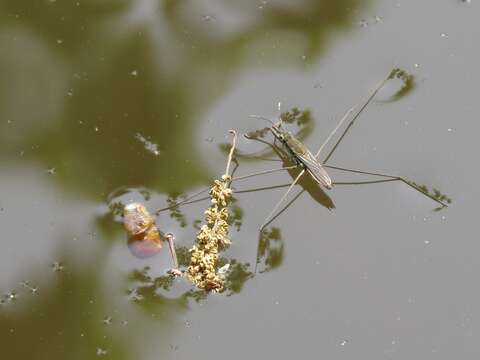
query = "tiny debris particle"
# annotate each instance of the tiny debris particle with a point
(134, 295)
(149, 145)
(363, 23)
(134, 73)
(57, 266)
(208, 17)
(51, 171)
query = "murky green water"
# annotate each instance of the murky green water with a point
(106, 102)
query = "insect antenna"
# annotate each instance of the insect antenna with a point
(261, 118)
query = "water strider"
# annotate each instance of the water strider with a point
(316, 169)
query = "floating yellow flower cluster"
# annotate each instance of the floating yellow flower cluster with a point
(213, 236)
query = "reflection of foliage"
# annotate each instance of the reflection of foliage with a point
(236, 215)
(145, 193)
(408, 83)
(258, 134)
(149, 291)
(270, 249)
(183, 255)
(434, 193)
(197, 224)
(116, 208)
(237, 276)
(175, 212)
(300, 117)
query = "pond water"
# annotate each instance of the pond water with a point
(107, 102)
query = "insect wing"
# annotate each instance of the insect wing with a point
(315, 169)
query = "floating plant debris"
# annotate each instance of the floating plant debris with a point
(149, 146)
(213, 235)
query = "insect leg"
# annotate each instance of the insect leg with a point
(267, 220)
(347, 114)
(257, 260)
(190, 199)
(389, 178)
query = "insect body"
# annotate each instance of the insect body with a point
(302, 155)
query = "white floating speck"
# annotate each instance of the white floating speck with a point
(149, 146)
(208, 17)
(101, 352)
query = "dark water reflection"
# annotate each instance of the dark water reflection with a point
(105, 102)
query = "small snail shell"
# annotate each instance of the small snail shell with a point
(143, 235)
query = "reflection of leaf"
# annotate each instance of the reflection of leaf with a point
(434, 193)
(270, 249)
(236, 215)
(145, 193)
(408, 83)
(237, 276)
(149, 291)
(258, 134)
(175, 212)
(300, 117)
(197, 224)
(116, 208)
(183, 255)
